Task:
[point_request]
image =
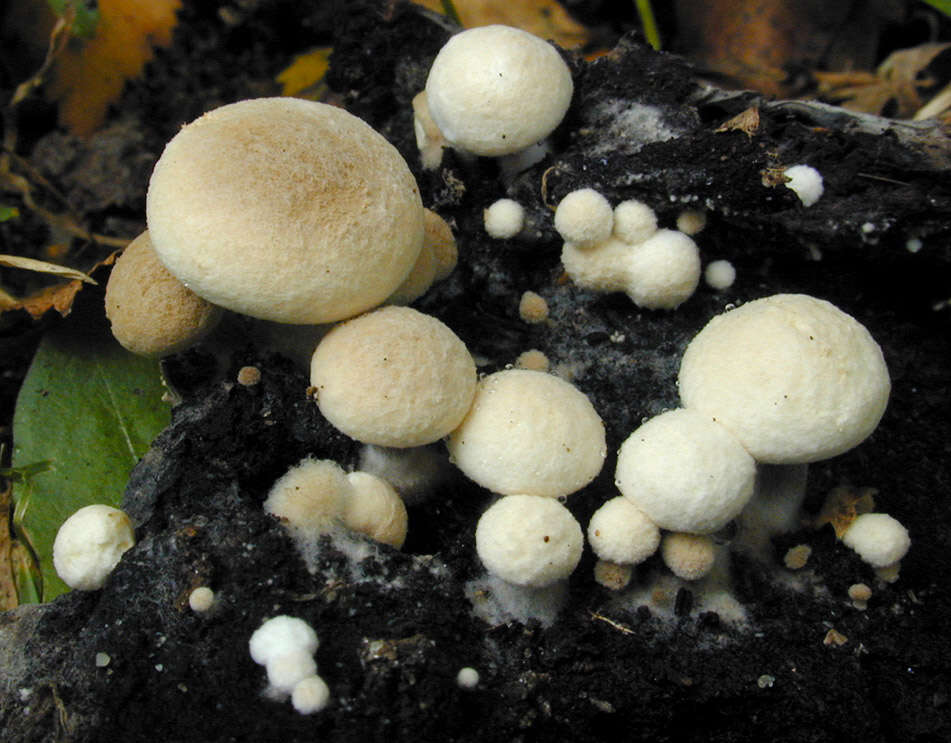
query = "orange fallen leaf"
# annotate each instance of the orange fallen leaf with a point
(544, 18)
(89, 75)
(303, 76)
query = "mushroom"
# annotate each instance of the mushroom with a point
(89, 545)
(584, 218)
(437, 258)
(529, 541)
(152, 313)
(634, 222)
(503, 219)
(689, 556)
(495, 90)
(685, 472)
(794, 378)
(529, 433)
(619, 532)
(879, 539)
(309, 497)
(374, 508)
(393, 377)
(285, 210)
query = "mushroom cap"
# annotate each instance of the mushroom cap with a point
(393, 377)
(584, 218)
(663, 271)
(794, 378)
(152, 313)
(503, 218)
(620, 532)
(689, 556)
(310, 695)
(634, 221)
(309, 497)
(89, 544)
(495, 90)
(529, 541)
(529, 433)
(685, 472)
(602, 267)
(879, 539)
(279, 636)
(374, 508)
(285, 210)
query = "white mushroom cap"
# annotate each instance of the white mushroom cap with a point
(286, 210)
(719, 275)
(879, 539)
(529, 541)
(495, 90)
(286, 670)
(602, 268)
(309, 497)
(663, 271)
(794, 378)
(806, 182)
(685, 472)
(374, 508)
(152, 313)
(393, 377)
(529, 433)
(620, 532)
(634, 221)
(504, 218)
(281, 635)
(89, 545)
(584, 218)
(689, 556)
(310, 695)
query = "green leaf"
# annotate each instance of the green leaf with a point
(943, 6)
(8, 212)
(89, 409)
(84, 19)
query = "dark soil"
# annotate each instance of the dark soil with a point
(396, 628)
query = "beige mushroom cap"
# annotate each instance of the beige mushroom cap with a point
(794, 378)
(285, 210)
(393, 377)
(310, 497)
(529, 541)
(495, 90)
(153, 313)
(374, 508)
(529, 433)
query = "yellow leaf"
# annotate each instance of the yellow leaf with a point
(544, 18)
(305, 72)
(31, 264)
(90, 75)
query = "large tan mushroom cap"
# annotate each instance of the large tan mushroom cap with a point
(794, 378)
(286, 210)
(393, 377)
(529, 433)
(495, 90)
(153, 313)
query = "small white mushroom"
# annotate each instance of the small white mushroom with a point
(879, 539)
(685, 472)
(310, 695)
(689, 556)
(504, 219)
(719, 275)
(529, 433)
(495, 90)
(806, 182)
(393, 377)
(584, 218)
(634, 222)
(529, 541)
(663, 271)
(89, 545)
(620, 532)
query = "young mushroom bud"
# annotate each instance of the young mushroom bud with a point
(310, 497)
(89, 545)
(285, 210)
(152, 313)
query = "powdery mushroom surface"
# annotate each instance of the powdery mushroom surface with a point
(396, 629)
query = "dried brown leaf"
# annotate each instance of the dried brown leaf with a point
(746, 121)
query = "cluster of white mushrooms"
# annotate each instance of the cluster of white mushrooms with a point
(268, 208)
